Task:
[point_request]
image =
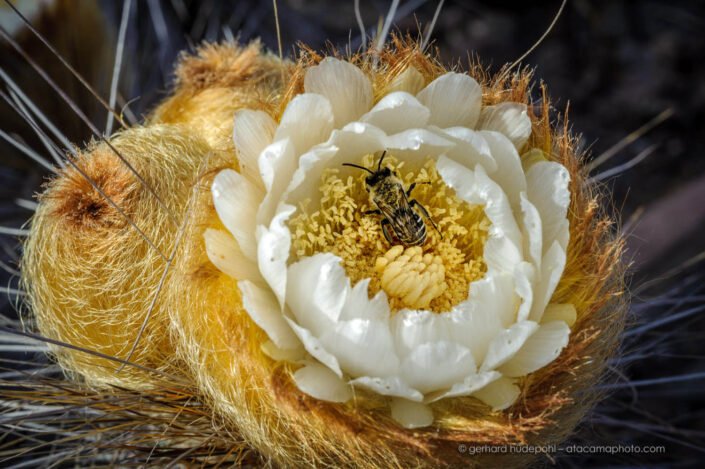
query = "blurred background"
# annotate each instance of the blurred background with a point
(632, 72)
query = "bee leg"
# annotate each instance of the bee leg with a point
(372, 212)
(422, 209)
(412, 186)
(385, 229)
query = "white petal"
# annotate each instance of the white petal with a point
(363, 347)
(501, 254)
(277, 163)
(262, 307)
(508, 118)
(563, 234)
(317, 291)
(305, 183)
(236, 200)
(411, 414)
(416, 146)
(524, 284)
(470, 148)
(560, 312)
(497, 292)
(278, 354)
(454, 99)
(319, 382)
(347, 88)
(396, 112)
(475, 322)
(271, 158)
(347, 145)
(502, 250)
(470, 385)
(507, 343)
(225, 254)
(307, 121)
(497, 207)
(552, 266)
(252, 132)
(531, 157)
(273, 246)
(393, 386)
(457, 176)
(434, 366)
(360, 306)
(414, 328)
(531, 229)
(410, 80)
(510, 174)
(540, 349)
(499, 394)
(547, 189)
(315, 347)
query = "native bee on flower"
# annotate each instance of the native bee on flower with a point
(387, 193)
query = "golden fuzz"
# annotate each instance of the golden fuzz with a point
(91, 278)
(90, 275)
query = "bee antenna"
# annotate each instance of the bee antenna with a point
(358, 167)
(381, 158)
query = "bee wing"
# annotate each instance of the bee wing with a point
(407, 225)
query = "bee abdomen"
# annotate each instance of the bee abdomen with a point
(412, 234)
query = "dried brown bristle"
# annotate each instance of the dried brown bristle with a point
(226, 65)
(74, 199)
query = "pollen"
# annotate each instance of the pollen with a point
(435, 276)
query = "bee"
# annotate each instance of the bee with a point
(398, 210)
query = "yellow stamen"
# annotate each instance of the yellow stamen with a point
(434, 276)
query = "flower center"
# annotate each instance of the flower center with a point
(435, 276)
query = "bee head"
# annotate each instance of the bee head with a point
(378, 176)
